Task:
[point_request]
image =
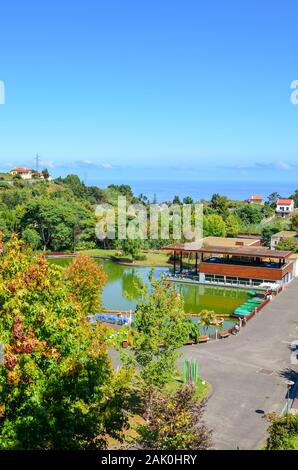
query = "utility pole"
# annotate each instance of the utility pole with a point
(37, 160)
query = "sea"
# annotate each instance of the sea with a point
(166, 189)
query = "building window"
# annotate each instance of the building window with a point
(256, 282)
(214, 278)
(232, 280)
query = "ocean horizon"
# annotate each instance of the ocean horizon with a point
(165, 190)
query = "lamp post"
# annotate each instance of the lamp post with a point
(289, 384)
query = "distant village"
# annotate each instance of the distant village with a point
(284, 207)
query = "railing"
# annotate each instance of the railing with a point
(212, 335)
(127, 312)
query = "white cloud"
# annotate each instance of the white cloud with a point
(90, 164)
(47, 164)
(283, 165)
(279, 165)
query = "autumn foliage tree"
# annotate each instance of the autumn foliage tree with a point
(85, 280)
(57, 387)
(174, 421)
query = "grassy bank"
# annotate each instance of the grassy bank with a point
(153, 258)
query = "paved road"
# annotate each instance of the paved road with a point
(247, 373)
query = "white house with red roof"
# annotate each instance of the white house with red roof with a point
(284, 207)
(255, 200)
(25, 173)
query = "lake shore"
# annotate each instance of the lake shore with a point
(153, 259)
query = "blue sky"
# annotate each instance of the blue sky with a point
(149, 89)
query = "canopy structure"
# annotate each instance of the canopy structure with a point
(243, 251)
(237, 264)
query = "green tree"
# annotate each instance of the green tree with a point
(232, 225)
(188, 200)
(250, 213)
(272, 198)
(77, 186)
(131, 246)
(220, 204)
(13, 197)
(58, 389)
(31, 236)
(214, 225)
(123, 189)
(46, 174)
(294, 196)
(294, 222)
(176, 200)
(58, 221)
(95, 195)
(267, 233)
(267, 210)
(159, 331)
(10, 220)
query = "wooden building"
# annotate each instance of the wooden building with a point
(237, 265)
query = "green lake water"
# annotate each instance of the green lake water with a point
(120, 293)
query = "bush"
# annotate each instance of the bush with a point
(85, 245)
(140, 257)
(194, 331)
(288, 244)
(281, 431)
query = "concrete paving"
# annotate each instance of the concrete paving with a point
(247, 373)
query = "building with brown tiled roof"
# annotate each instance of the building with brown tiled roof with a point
(25, 173)
(255, 200)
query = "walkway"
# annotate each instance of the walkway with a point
(248, 373)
